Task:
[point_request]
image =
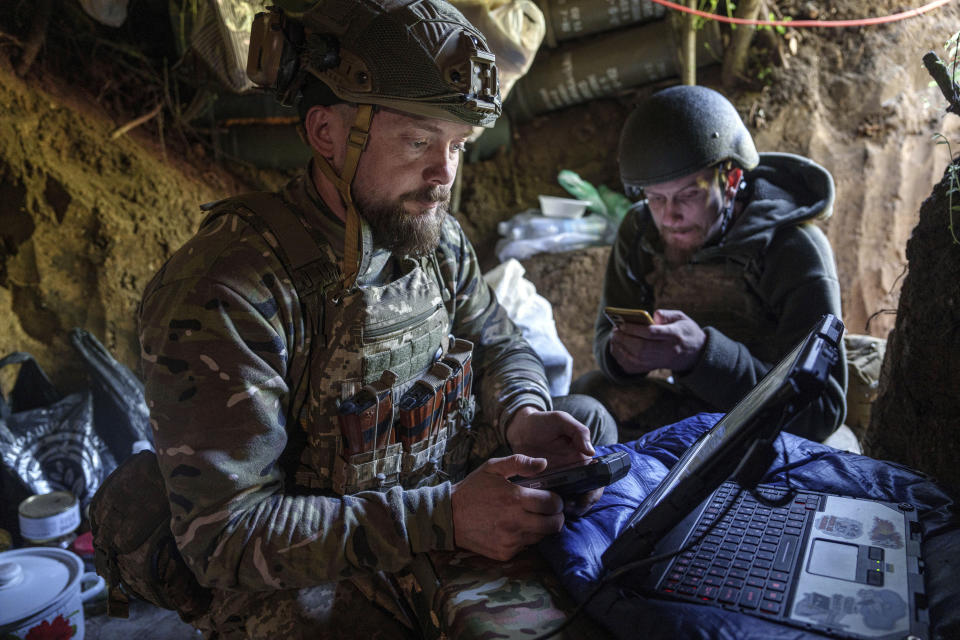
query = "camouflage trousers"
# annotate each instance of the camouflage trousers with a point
(381, 606)
(337, 611)
(471, 598)
(586, 409)
(640, 407)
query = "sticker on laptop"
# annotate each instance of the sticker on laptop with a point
(838, 526)
(827, 610)
(879, 608)
(884, 534)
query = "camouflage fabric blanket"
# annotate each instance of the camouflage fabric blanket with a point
(575, 553)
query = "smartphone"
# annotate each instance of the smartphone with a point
(621, 315)
(572, 480)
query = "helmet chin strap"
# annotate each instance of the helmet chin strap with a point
(726, 212)
(356, 143)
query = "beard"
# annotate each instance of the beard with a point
(679, 250)
(402, 232)
(679, 253)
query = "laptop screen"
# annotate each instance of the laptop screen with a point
(697, 457)
(760, 414)
(782, 393)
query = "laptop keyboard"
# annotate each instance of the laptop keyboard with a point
(747, 559)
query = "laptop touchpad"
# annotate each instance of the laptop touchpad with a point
(834, 559)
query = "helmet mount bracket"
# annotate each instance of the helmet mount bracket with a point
(274, 56)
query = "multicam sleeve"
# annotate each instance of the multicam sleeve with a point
(216, 355)
(510, 374)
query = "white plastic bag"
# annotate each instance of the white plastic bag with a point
(529, 233)
(112, 13)
(523, 249)
(534, 315)
(218, 33)
(531, 224)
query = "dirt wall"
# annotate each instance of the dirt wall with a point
(859, 103)
(916, 418)
(85, 221)
(856, 101)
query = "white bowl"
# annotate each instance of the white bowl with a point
(555, 207)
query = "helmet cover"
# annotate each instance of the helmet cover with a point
(421, 57)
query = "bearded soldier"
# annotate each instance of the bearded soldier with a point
(311, 356)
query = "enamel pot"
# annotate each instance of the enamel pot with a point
(42, 591)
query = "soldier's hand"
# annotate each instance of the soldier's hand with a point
(554, 435)
(497, 518)
(674, 342)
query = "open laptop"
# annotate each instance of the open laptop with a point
(842, 566)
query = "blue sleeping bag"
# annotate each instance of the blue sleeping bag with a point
(575, 553)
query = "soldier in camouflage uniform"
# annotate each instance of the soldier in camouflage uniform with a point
(248, 361)
(722, 250)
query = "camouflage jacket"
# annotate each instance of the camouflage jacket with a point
(224, 347)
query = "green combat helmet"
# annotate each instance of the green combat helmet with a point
(421, 57)
(679, 131)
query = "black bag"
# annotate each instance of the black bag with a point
(120, 414)
(47, 442)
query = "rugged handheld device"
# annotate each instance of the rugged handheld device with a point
(575, 479)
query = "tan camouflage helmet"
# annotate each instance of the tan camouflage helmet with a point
(421, 57)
